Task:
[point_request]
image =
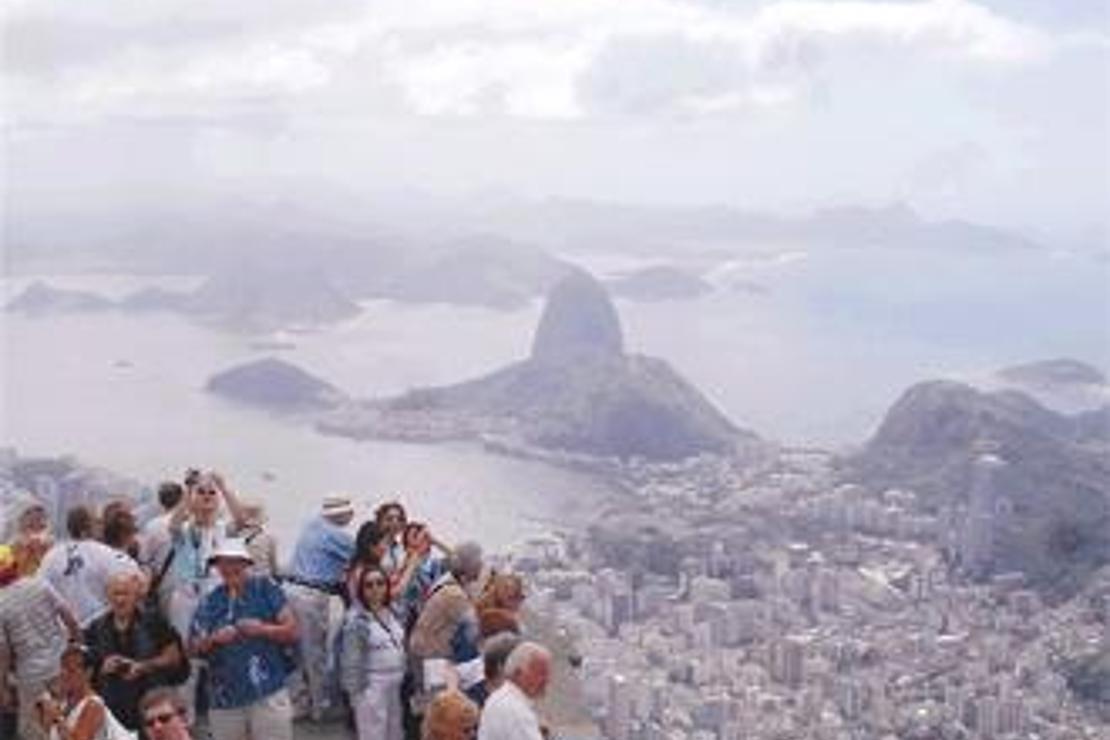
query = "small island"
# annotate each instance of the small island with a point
(275, 385)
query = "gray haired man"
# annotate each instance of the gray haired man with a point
(509, 714)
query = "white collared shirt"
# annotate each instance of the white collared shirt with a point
(509, 715)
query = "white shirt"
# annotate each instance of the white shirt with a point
(508, 715)
(156, 545)
(79, 570)
(110, 727)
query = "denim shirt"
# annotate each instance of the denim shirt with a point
(322, 553)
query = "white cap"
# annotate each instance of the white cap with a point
(232, 547)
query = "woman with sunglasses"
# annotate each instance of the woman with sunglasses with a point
(372, 661)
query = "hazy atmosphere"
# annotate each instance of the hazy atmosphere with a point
(789, 274)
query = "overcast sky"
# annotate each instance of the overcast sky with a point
(995, 110)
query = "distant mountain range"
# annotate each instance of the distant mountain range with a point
(254, 299)
(39, 299)
(658, 283)
(499, 254)
(589, 225)
(488, 271)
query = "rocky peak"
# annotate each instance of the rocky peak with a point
(579, 318)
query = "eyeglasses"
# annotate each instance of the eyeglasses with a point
(373, 582)
(153, 720)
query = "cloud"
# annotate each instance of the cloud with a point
(567, 59)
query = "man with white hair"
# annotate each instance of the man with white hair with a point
(509, 713)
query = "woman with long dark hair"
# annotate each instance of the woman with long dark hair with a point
(372, 662)
(81, 714)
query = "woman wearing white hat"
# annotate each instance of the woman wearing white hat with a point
(244, 628)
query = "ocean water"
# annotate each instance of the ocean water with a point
(126, 392)
(815, 356)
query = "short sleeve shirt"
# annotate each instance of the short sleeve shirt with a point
(80, 570)
(30, 630)
(248, 669)
(322, 552)
(193, 546)
(148, 635)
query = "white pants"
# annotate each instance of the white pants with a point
(378, 709)
(270, 718)
(313, 611)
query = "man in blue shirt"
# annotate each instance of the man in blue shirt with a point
(243, 628)
(314, 578)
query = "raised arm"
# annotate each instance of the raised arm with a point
(180, 512)
(234, 504)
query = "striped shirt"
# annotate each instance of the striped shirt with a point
(31, 634)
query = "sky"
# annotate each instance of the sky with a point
(991, 110)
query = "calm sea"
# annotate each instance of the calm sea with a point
(815, 356)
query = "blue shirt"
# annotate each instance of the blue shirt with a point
(249, 669)
(192, 546)
(411, 600)
(322, 552)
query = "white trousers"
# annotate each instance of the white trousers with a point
(378, 709)
(270, 718)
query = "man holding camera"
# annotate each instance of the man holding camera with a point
(244, 629)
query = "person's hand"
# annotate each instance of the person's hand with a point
(49, 711)
(133, 670)
(215, 477)
(251, 627)
(113, 664)
(224, 636)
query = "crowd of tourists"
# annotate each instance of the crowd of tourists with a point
(186, 627)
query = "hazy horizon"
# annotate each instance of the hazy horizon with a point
(993, 112)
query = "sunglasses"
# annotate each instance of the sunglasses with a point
(164, 718)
